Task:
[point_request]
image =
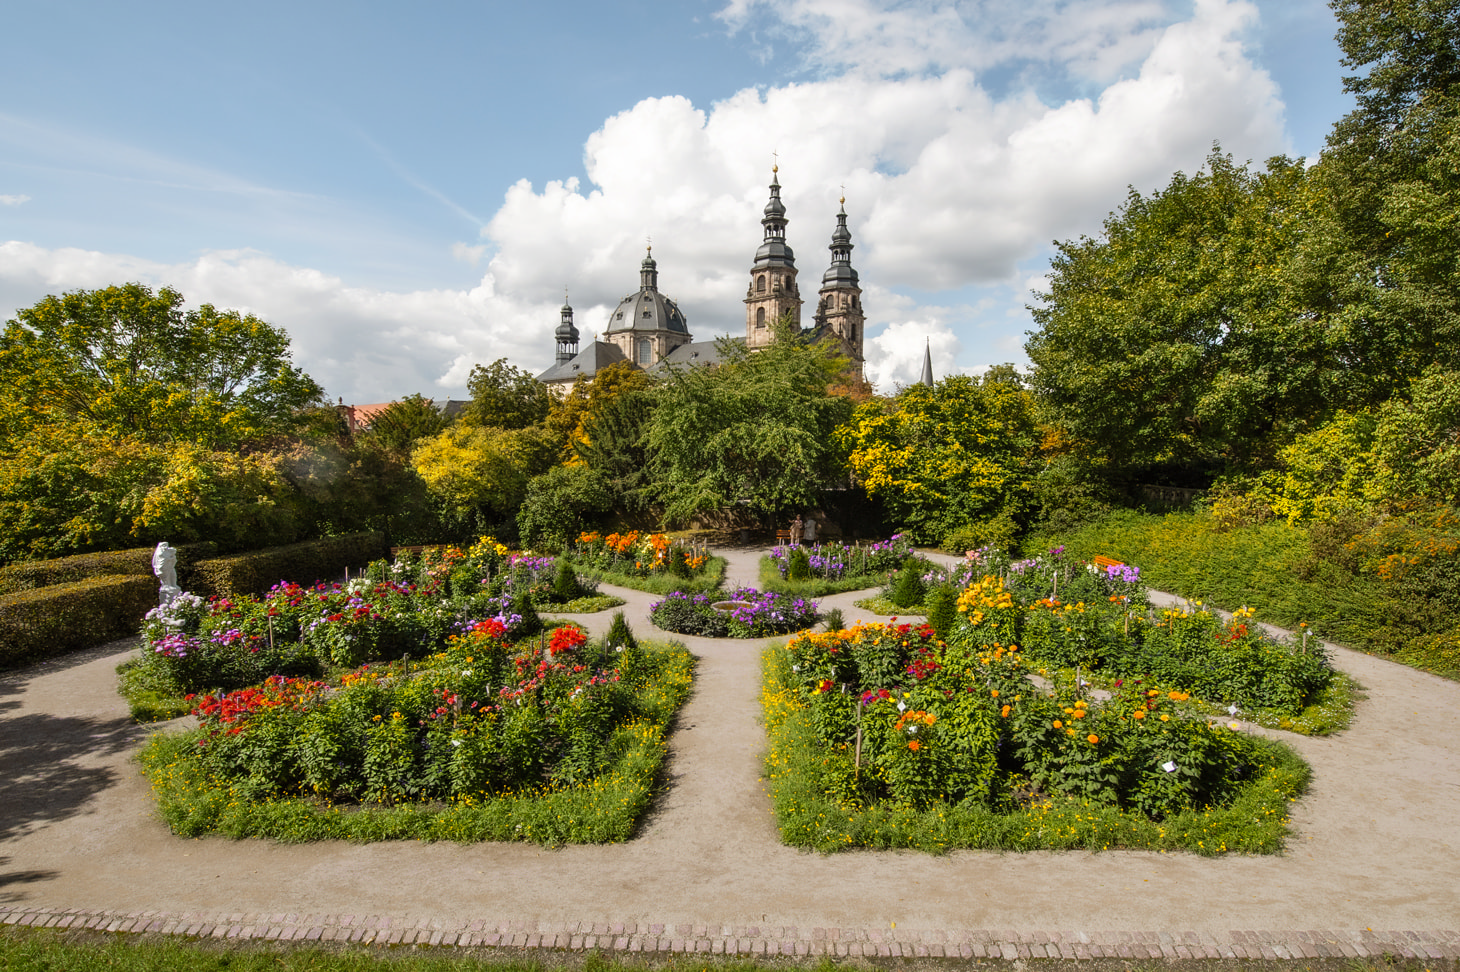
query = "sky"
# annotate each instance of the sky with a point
(411, 190)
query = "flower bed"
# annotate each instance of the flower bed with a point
(552, 741)
(829, 568)
(882, 736)
(408, 608)
(759, 615)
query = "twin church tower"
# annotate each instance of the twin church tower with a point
(649, 330)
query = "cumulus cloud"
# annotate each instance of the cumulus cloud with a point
(948, 186)
(362, 344)
(13, 200)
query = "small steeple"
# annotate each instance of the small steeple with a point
(927, 378)
(649, 271)
(567, 332)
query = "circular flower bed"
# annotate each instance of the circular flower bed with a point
(761, 614)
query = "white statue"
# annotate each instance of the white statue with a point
(164, 565)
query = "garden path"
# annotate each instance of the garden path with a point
(1375, 844)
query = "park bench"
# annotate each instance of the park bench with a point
(783, 537)
(1105, 563)
(397, 551)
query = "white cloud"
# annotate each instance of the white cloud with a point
(947, 187)
(13, 200)
(895, 356)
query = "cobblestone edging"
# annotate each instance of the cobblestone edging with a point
(759, 940)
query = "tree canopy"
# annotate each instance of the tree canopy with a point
(506, 397)
(130, 362)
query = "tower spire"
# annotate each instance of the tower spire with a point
(927, 378)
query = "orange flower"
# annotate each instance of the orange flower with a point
(993, 693)
(1139, 714)
(1093, 738)
(1004, 712)
(1079, 713)
(1058, 724)
(914, 745)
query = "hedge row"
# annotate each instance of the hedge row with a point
(32, 574)
(65, 617)
(258, 570)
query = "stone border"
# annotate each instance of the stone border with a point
(758, 941)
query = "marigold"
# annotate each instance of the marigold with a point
(1058, 724)
(914, 745)
(1138, 714)
(993, 693)
(1165, 717)
(1093, 738)
(1004, 712)
(1079, 713)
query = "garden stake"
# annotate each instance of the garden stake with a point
(271, 633)
(858, 770)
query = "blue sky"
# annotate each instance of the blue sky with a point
(408, 190)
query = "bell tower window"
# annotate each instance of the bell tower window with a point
(760, 317)
(644, 351)
(760, 284)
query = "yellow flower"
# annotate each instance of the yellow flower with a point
(1165, 717)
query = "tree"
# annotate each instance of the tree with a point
(479, 473)
(1175, 337)
(757, 431)
(505, 397)
(614, 444)
(949, 456)
(570, 415)
(400, 424)
(560, 504)
(130, 362)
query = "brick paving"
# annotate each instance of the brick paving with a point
(762, 941)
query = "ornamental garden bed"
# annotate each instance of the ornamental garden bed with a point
(742, 613)
(997, 734)
(649, 562)
(549, 741)
(831, 568)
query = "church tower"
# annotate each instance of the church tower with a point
(773, 290)
(839, 304)
(567, 335)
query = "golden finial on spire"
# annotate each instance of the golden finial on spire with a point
(844, 194)
(776, 163)
(649, 244)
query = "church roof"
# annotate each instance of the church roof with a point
(695, 355)
(647, 309)
(586, 364)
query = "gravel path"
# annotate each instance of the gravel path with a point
(1376, 849)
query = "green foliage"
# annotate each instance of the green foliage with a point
(131, 363)
(476, 472)
(798, 567)
(1176, 337)
(755, 431)
(259, 570)
(941, 607)
(964, 752)
(560, 504)
(390, 749)
(398, 426)
(943, 457)
(907, 584)
(68, 616)
(565, 581)
(505, 397)
(613, 442)
(44, 573)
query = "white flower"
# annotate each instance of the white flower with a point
(912, 730)
(456, 742)
(795, 668)
(1234, 725)
(1169, 766)
(466, 672)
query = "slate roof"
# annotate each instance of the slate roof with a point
(586, 364)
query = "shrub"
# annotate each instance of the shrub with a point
(798, 567)
(65, 617)
(30, 574)
(303, 563)
(941, 605)
(907, 586)
(565, 582)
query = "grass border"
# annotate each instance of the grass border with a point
(606, 809)
(1256, 822)
(771, 580)
(710, 580)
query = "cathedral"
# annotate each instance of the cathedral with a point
(648, 329)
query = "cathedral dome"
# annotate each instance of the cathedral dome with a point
(647, 310)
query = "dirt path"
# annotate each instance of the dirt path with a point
(1376, 842)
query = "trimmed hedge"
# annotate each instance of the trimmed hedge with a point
(304, 563)
(32, 574)
(64, 617)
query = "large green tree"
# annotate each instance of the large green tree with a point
(757, 431)
(1174, 337)
(504, 396)
(128, 361)
(956, 455)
